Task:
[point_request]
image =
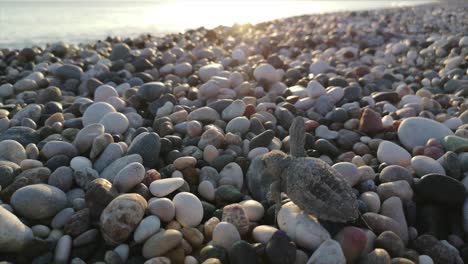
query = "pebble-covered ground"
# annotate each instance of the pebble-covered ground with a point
(152, 150)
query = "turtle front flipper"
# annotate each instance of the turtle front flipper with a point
(320, 190)
(297, 138)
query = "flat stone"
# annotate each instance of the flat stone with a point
(416, 131)
(423, 165)
(188, 209)
(163, 187)
(129, 176)
(393, 154)
(38, 201)
(440, 189)
(161, 243)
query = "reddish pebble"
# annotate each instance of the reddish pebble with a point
(151, 176)
(433, 152)
(418, 150)
(353, 241)
(370, 122)
(311, 125)
(249, 110)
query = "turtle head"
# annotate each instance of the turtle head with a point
(275, 162)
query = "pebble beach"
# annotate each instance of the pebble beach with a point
(153, 149)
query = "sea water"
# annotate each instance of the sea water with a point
(36, 22)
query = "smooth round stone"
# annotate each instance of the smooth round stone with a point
(54, 147)
(390, 241)
(38, 201)
(266, 72)
(225, 235)
(116, 102)
(329, 252)
(161, 243)
(163, 187)
(62, 178)
(416, 131)
(80, 163)
(184, 162)
(263, 233)
(400, 189)
(61, 218)
(425, 259)
(63, 250)
(372, 201)
(239, 125)
(148, 146)
(115, 123)
(393, 154)
(25, 85)
(119, 52)
(242, 252)
(41, 231)
(254, 210)
(128, 177)
(104, 92)
(378, 255)
(393, 208)
(257, 152)
(12, 151)
(163, 208)
(204, 114)
(305, 231)
(6, 90)
(318, 67)
(206, 190)
(95, 112)
(14, 235)
(183, 69)
(147, 227)
(84, 139)
(352, 241)
(323, 132)
(152, 90)
(111, 153)
(455, 143)
(381, 223)
(232, 172)
(315, 89)
(211, 137)
(423, 165)
(349, 171)
(123, 250)
(188, 209)
(235, 109)
(279, 249)
(121, 216)
(210, 70)
(435, 187)
(395, 173)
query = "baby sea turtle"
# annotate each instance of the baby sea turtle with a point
(310, 183)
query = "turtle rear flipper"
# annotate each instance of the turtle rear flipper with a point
(320, 190)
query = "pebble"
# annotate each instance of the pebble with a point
(114, 123)
(38, 201)
(279, 249)
(328, 252)
(434, 187)
(14, 235)
(349, 171)
(95, 112)
(352, 241)
(266, 72)
(148, 146)
(423, 165)
(161, 243)
(63, 250)
(120, 218)
(163, 187)
(12, 151)
(206, 190)
(393, 154)
(415, 131)
(225, 235)
(253, 209)
(188, 209)
(147, 227)
(303, 230)
(401, 189)
(163, 208)
(263, 233)
(129, 176)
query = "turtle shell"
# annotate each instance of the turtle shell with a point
(320, 190)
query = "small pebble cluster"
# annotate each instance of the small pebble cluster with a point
(139, 150)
